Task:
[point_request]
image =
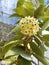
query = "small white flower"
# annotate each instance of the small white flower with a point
(29, 25)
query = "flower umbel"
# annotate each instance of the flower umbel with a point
(29, 26)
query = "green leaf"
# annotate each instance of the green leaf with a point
(18, 36)
(20, 3)
(41, 59)
(9, 54)
(25, 62)
(17, 22)
(47, 12)
(20, 11)
(19, 50)
(46, 16)
(39, 11)
(43, 48)
(45, 26)
(13, 15)
(37, 52)
(46, 39)
(41, 1)
(9, 45)
(40, 43)
(37, 39)
(29, 5)
(14, 30)
(47, 29)
(36, 49)
(47, 59)
(25, 10)
(47, 44)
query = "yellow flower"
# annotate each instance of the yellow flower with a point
(29, 25)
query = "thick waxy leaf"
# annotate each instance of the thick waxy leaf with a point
(18, 36)
(47, 44)
(38, 54)
(46, 13)
(29, 5)
(20, 11)
(46, 39)
(41, 1)
(43, 48)
(25, 10)
(9, 54)
(41, 59)
(9, 45)
(46, 16)
(38, 40)
(47, 59)
(20, 51)
(39, 11)
(13, 15)
(16, 15)
(47, 29)
(45, 26)
(40, 43)
(20, 3)
(14, 30)
(36, 49)
(25, 62)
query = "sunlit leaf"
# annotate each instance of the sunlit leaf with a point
(46, 39)
(29, 5)
(20, 3)
(13, 15)
(14, 30)
(20, 11)
(36, 49)
(41, 59)
(18, 36)
(41, 1)
(43, 48)
(47, 29)
(39, 11)
(25, 62)
(9, 45)
(45, 26)
(20, 51)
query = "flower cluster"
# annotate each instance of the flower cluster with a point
(29, 26)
